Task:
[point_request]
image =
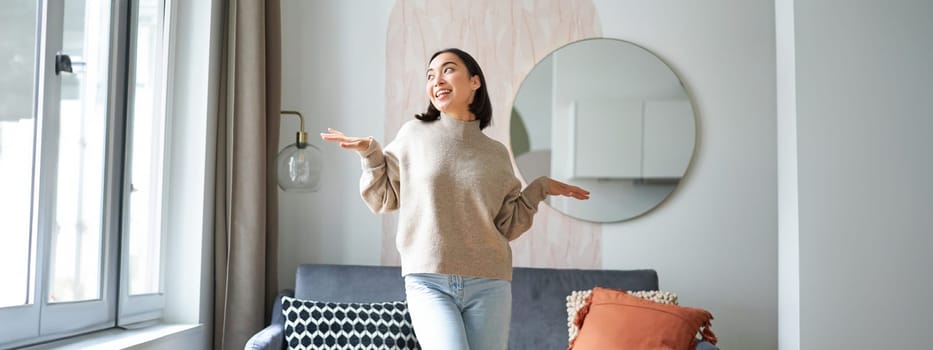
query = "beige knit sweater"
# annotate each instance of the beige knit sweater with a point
(459, 201)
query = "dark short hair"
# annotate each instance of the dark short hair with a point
(481, 106)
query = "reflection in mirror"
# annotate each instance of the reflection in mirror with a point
(608, 116)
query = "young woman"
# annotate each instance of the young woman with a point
(459, 206)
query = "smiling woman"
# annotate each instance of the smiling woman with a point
(462, 205)
(443, 76)
(456, 85)
(609, 116)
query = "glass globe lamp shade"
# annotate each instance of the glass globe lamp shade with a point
(298, 167)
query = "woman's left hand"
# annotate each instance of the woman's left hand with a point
(557, 188)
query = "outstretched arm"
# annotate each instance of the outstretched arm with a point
(557, 188)
(518, 210)
(358, 144)
(379, 185)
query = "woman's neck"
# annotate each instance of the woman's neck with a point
(464, 115)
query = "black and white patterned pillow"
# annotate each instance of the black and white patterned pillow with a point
(313, 324)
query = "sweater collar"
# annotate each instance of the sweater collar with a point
(460, 128)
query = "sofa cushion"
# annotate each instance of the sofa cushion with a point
(539, 311)
(349, 283)
(538, 294)
(313, 324)
(577, 299)
(614, 319)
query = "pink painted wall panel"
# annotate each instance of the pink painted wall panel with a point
(507, 38)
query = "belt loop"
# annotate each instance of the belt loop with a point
(456, 282)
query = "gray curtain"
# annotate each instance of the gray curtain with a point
(246, 202)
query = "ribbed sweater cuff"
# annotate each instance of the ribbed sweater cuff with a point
(372, 157)
(536, 191)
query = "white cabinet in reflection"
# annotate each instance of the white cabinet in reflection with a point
(606, 138)
(627, 139)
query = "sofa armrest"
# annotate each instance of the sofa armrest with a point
(269, 338)
(705, 345)
(273, 336)
(277, 316)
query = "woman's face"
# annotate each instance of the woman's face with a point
(449, 84)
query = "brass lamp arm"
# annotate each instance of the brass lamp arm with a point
(301, 137)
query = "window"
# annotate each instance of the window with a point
(17, 55)
(82, 151)
(144, 187)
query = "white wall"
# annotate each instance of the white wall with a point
(714, 242)
(333, 71)
(865, 164)
(189, 280)
(788, 219)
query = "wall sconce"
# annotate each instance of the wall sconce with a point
(298, 165)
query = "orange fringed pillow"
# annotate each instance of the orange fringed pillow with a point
(613, 319)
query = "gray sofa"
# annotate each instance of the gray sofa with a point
(539, 311)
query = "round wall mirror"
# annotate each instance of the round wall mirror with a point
(608, 116)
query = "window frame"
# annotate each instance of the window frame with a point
(136, 310)
(42, 320)
(22, 321)
(39, 320)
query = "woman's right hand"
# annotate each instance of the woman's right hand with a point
(358, 144)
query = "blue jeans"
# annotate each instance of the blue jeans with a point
(451, 312)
